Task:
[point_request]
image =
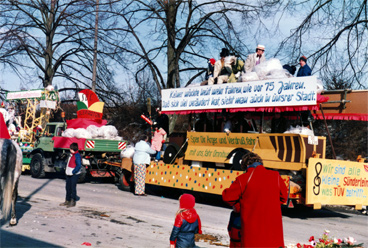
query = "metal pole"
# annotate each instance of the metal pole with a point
(328, 132)
(94, 71)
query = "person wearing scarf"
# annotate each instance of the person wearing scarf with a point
(260, 193)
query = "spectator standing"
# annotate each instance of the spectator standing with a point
(72, 171)
(187, 224)
(255, 59)
(260, 193)
(220, 72)
(141, 159)
(304, 69)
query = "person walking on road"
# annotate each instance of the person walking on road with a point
(187, 224)
(141, 158)
(260, 193)
(72, 171)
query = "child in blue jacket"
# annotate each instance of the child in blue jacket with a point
(72, 171)
(187, 224)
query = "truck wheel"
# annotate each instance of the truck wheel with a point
(124, 180)
(37, 166)
(82, 175)
(170, 153)
(238, 159)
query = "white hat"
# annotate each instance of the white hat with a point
(262, 47)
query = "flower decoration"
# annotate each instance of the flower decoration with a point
(326, 241)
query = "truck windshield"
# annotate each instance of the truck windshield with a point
(49, 131)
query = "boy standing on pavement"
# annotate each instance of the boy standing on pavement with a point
(72, 172)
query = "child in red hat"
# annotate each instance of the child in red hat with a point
(187, 223)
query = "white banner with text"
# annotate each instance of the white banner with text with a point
(295, 91)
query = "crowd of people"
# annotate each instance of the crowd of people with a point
(228, 68)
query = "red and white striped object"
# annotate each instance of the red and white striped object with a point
(122, 145)
(90, 144)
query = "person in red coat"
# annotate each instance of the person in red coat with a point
(260, 193)
(4, 133)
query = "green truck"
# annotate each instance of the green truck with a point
(100, 157)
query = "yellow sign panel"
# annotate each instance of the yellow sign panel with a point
(199, 179)
(278, 151)
(337, 182)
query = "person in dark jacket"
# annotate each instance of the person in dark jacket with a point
(187, 224)
(162, 120)
(279, 123)
(72, 171)
(304, 69)
(234, 227)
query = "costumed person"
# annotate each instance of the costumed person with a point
(234, 227)
(141, 159)
(209, 72)
(237, 66)
(162, 120)
(187, 224)
(279, 123)
(72, 171)
(291, 69)
(260, 193)
(255, 59)
(159, 137)
(306, 117)
(220, 73)
(4, 112)
(304, 69)
(248, 124)
(4, 133)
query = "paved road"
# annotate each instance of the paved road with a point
(108, 217)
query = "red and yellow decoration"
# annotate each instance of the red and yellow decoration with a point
(89, 106)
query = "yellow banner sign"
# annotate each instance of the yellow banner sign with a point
(337, 182)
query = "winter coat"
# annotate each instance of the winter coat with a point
(4, 133)
(260, 206)
(304, 71)
(245, 127)
(74, 164)
(250, 63)
(186, 225)
(158, 136)
(142, 153)
(234, 229)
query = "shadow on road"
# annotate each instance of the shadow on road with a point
(9, 239)
(303, 212)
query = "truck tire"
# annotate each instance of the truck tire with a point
(124, 180)
(238, 159)
(38, 166)
(170, 152)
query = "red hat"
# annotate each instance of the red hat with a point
(303, 58)
(212, 61)
(187, 201)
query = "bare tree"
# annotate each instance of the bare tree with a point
(330, 30)
(51, 35)
(172, 38)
